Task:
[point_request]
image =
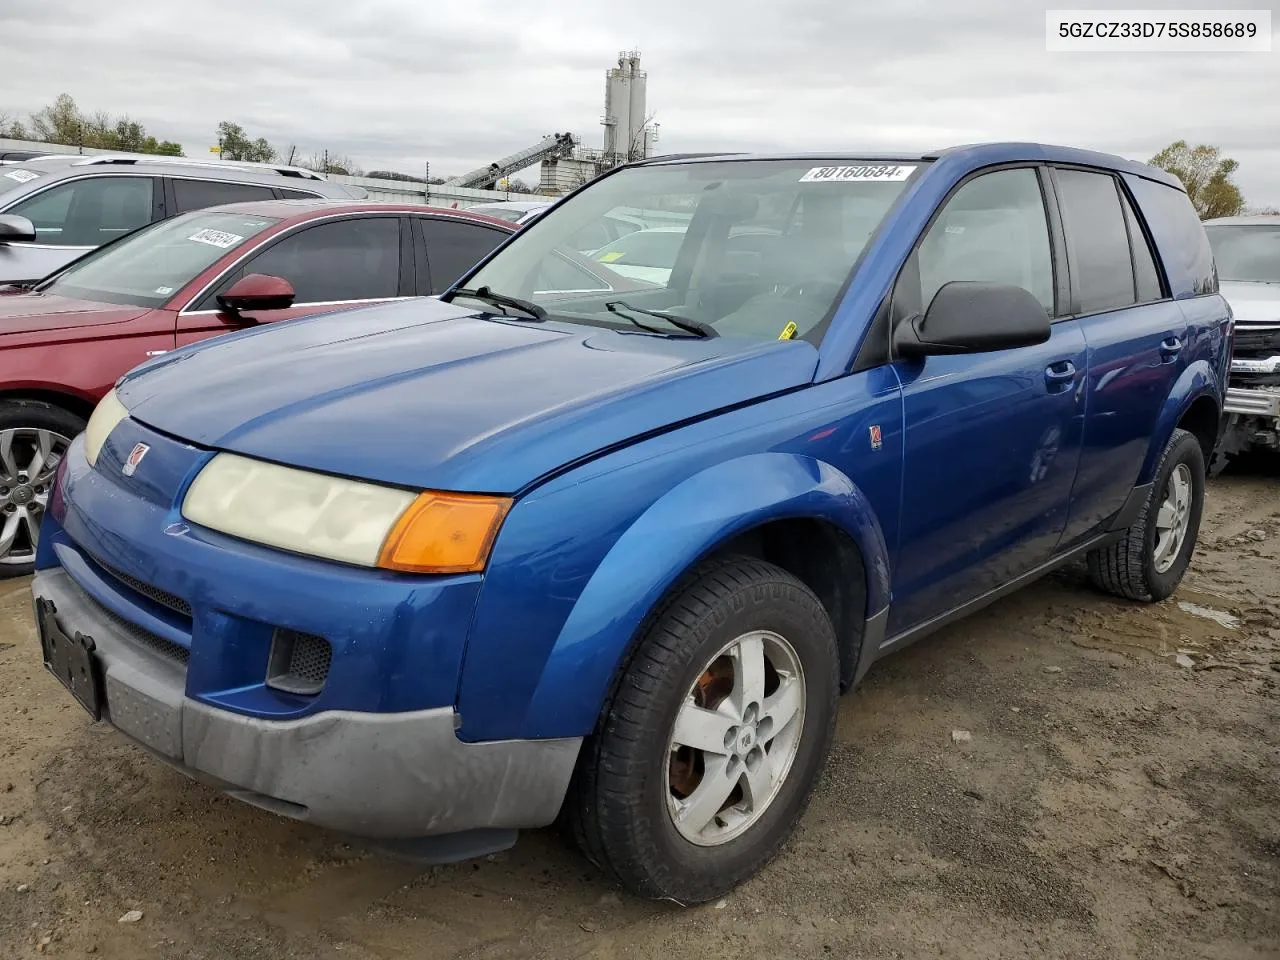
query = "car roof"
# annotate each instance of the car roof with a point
(978, 154)
(282, 176)
(1246, 220)
(292, 211)
(512, 205)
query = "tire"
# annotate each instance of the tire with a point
(27, 426)
(620, 807)
(1133, 567)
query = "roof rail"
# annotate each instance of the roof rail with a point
(279, 169)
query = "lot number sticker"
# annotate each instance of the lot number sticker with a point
(216, 238)
(860, 172)
(22, 176)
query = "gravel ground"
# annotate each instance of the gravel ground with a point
(1110, 802)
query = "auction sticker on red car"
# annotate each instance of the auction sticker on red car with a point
(216, 238)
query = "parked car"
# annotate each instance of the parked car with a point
(67, 340)
(467, 565)
(1247, 250)
(55, 208)
(515, 211)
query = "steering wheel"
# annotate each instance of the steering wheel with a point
(807, 288)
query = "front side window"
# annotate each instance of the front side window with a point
(147, 269)
(750, 248)
(1247, 252)
(89, 211)
(993, 230)
(332, 262)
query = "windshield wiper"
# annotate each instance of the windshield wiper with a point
(696, 327)
(502, 300)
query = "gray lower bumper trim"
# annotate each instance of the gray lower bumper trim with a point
(396, 775)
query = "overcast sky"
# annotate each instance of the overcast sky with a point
(395, 83)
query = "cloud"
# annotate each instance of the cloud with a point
(394, 83)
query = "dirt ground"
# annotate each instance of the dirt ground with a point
(1110, 803)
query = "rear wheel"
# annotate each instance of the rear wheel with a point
(709, 752)
(1149, 563)
(34, 437)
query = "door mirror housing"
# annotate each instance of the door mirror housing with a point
(15, 229)
(972, 317)
(257, 291)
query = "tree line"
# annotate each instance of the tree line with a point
(1208, 176)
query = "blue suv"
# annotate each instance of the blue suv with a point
(538, 550)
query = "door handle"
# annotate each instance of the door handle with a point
(1059, 376)
(1170, 347)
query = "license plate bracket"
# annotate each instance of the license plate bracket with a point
(70, 658)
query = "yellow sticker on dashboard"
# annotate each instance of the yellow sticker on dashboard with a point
(788, 331)
(609, 257)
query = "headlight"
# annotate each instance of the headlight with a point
(346, 520)
(109, 412)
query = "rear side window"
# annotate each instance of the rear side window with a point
(90, 211)
(198, 194)
(1099, 240)
(1179, 237)
(454, 247)
(296, 195)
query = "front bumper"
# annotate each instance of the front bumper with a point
(1253, 402)
(377, 775)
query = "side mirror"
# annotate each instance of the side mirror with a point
(15, 229)
(257, 291)
(971, 317)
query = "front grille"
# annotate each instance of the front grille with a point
(154, 594)
(144, 638)
(299, 662)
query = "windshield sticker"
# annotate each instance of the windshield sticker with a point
(164, 291)
(888, 172)
(216, 238)
(788, 331)
(22, 176)
(611, 256)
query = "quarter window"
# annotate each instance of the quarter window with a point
(198, 194)
(993, 230)
(90, 211)
(1094, 221)
(332, 262)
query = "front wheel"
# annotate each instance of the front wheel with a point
(34, 437)
(709, 752)
(1151, 559)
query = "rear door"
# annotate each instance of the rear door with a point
(1136, 336)
(362, 259)
(449, 247)
(992, 439)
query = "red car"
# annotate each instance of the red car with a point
(66, 340)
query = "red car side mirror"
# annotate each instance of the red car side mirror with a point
(257, 291)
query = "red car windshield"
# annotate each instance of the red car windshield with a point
(146, 268)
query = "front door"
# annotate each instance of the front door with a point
(331, 265)
(992, 439)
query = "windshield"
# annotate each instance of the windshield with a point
(502, 213)
(149, 267)
(13, 176)
(752, 248)
(1249, 252)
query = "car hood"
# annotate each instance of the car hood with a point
(431, 396)
(1254, 304)
(26, 311)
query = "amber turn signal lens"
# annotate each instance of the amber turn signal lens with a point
(444, 533)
